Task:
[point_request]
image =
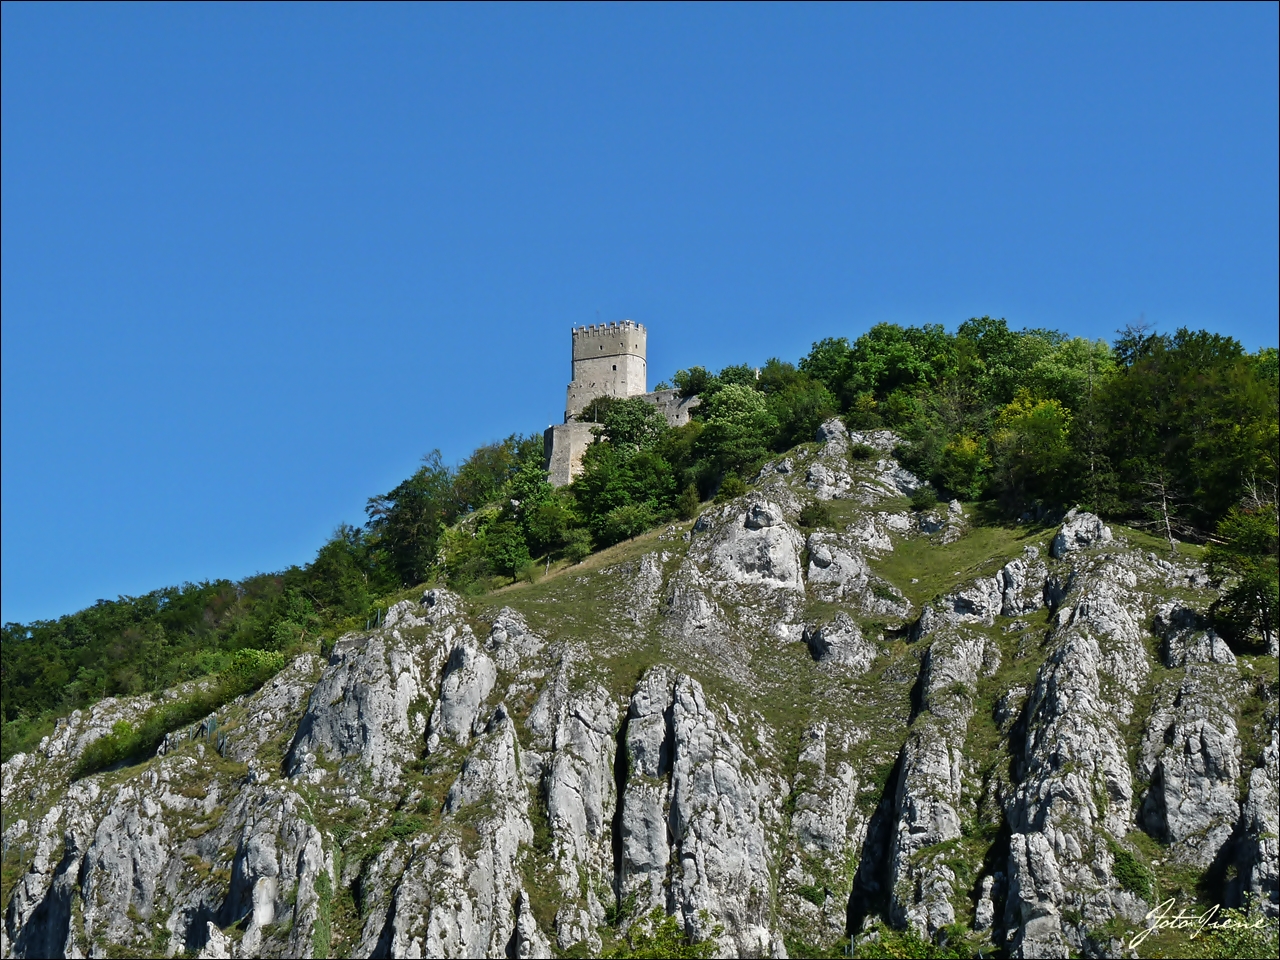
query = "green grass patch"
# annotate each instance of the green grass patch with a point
(940, 567)
(1130, 872)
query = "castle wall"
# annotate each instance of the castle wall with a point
(609, 360)
(608, 340)
(563, 445)
(673, 406)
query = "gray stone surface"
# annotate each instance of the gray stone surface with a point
(528, 773)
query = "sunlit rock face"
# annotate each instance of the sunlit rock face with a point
(779, 735)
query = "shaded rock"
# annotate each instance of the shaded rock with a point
(841, 643)
(1189, 751)
(1188, 638)
(581, 800)
(1258, 856)
(1075, 786)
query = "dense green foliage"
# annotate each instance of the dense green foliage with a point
(1175, 432)
(891, 944)
(246, 671)
(1244, 560)
(660, 936)
(138, 644)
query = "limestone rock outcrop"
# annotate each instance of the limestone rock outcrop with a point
(771, 731)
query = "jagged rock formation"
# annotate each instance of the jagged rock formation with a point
(779, 737)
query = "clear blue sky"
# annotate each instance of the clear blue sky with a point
(257, 260)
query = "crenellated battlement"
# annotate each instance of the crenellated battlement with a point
(609, 340)
(610, 328)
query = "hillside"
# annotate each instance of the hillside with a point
(1176, 434)
(929, 644)
(816, 712)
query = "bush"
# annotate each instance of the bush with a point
(528, 572)
(1243, 559)
(731, 486)
(814, 893)
(816, 514)
(688, 502)
(1132, 875)
(577, 545)
(505, 547)
(906, 943)
(924, 498)
(623, 523)
(659, 935)
(861, 451)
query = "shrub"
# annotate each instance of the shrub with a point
(402, 826)
(731, 486)
(882, 591)
(625, 522)
(924, 498)
(816, 514)
(577, 545)
(814, 893)
(659, 935)
(1132, 875)
(891, 943)
(688, 502)
(248, 670)
(861, 451)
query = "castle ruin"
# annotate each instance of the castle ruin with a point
(609, 360)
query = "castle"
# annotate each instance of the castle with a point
(609, 360)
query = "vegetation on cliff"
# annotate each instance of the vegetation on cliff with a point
(1177, 433)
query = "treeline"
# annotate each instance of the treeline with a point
(1175, 432)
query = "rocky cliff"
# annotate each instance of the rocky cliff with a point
(1018, 738)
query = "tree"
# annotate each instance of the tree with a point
(963, 467)
(627, 521)
(1243, 558)
(1031, 441)
(828, 362)
(407, 522)
(505, 547)
(616, 476)
(695, 381)
(339, 577)
(740, 429)
(798, 405)
(482, 475)
(633, 422)
(888, 358)
(546, 524)
(1196, 407)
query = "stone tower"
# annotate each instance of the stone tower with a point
(608, 361)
